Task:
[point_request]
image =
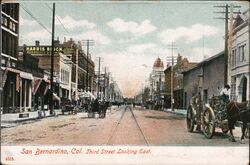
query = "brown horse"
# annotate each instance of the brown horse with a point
(237, 112)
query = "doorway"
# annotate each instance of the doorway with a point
(244, 89)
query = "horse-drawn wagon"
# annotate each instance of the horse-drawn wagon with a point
(97, 108)
(68, 106)
(207, 116)
(218, 114)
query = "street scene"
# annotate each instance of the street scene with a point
(168, 129)
(125, 73)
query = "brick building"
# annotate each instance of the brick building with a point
(68, 56)
(86, 67)
(62, 67)
(181, 65)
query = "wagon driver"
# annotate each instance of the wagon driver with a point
(225, 94)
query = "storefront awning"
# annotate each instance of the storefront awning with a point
(65, 86)
(26, 75)
(13, 70)
(36, 83)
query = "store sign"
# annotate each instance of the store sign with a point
(46, 50)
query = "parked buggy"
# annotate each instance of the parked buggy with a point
(207, 116)
(97, 108)
(68, 106)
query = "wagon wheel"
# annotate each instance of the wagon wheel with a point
(208, 122)
(190, 119)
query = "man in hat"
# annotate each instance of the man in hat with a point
(225, 95)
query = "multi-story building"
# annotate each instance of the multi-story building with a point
(62, 67)
(157, 83)
(68, 56)
(86, 67)
(20, 74)
(115, 94)
(240, 62)
(9, 56)
(104, 85)
(182, 64)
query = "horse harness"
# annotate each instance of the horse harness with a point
(240, 109)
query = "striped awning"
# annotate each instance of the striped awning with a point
(13, 70)
(26, 75)
(36, 83)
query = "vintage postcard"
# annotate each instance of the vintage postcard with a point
(124, 82)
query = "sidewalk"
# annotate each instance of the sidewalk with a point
(177, 111)
(11, 119)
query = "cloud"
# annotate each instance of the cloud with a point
(29, 38)
(119, 25)
(188, 34)
(71, 23)
(45, 36)
(98, 37)
(40, 34)
(140, 48)
(196, 54)
(26, 22)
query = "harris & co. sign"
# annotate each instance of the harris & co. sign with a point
(38, 50)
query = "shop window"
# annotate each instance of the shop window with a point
(5, 22)
(11, 25)
(14, 27)
(242, 52)
(5, 42)
(4, 8)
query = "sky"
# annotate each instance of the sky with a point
(130, 35)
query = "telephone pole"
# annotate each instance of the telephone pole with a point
(1, 71)
(76, 92)
(104, 89)
(172, 46)
(52, 63)
(98, 76)
(88, 43)
(226, 17)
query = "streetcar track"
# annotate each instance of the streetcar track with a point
(119, 121)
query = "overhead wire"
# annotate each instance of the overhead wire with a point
(28, 12)
(58, 19)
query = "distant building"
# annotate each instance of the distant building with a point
(182, 64)
(240, 62)
(157, 82)
(115, 93)
(85, 65)
(206, 78)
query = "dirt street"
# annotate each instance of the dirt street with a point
(160, 128)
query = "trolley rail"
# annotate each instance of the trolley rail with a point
(118, 123)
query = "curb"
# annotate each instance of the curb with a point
(174, 112)
(26, 119)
